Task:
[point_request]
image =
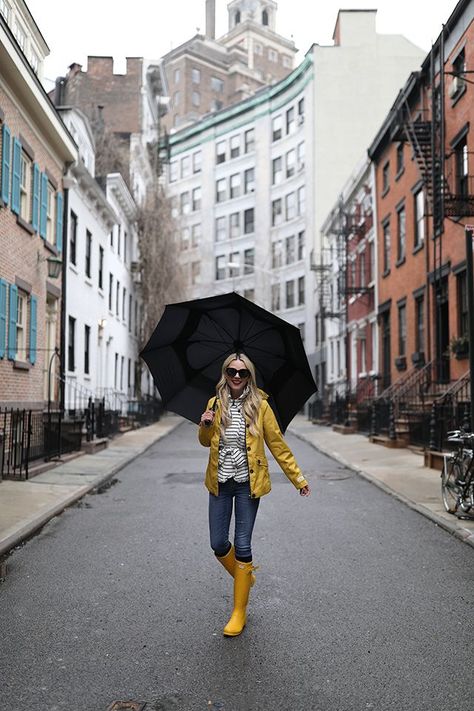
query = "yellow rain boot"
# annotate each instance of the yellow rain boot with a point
(242, 583)
(228, 561)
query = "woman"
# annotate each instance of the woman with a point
(235, 426)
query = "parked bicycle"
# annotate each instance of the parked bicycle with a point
(457, 476)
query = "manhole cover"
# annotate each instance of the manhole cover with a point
(126, 706)
(336, 477)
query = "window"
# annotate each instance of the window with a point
(301, 110)
(129, 373)
(362, 269)
(197, 162)
(257, 48)
(371, 261)
(185, 166)
(458, 85)
(125, 241)
(87, 338)
(290, 249)
(234, 146)
(220, 152)
(275, 297)
(71, 344)
(277, 212)
(220, 267)
(174, 171)
(462, 168)
(72, 237)
(195, 272)
(111, 290)
(112, 236)
(88, 253)
(277, 254)
(177, 76)
(117, 299)
(122, 364)
(237, 17)
(290, 163)
(249, 140)
(25, 187)
(301, 246)
(235, 185)
(273, 55)
(119, 239)
(300, 155)
(290, 294)
(5, 10)
(185, 238)
(196, 201)
(116, 370)
(101, 267)
(221, 190)
(221, 229)
(301, 197)
(277, 170)
(217, 85)
(286, 61)
(277, 128)
(124, 303)
(401, 235)
(249, 261)
(265, 21)
(386, 247)
(400, 158)
(196, 76)
(402, 329)
(420, 324)
(185, 204)
(290, 206)
(176, 98)
(20, 35)
(216, 105)
(196, 234)
(463, 313)
(234, 224)
(249, 221)
(130, 301)
(419, 210)
(249, 180)
(50, 216)
(290, 120)
(386, 177)
(21, 319)
(196, 98)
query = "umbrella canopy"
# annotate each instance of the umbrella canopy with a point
(192, 339)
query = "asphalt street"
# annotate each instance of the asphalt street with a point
(360, 602)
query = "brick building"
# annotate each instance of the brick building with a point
(206, 74)
(425, 195)
(36, 150)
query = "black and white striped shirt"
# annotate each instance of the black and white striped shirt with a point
(233, 462)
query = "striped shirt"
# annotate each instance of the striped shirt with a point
(233, 462)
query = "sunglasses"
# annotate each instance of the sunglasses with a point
(232, 372)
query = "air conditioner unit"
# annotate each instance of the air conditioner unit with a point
(456, 86)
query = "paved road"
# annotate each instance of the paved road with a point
(360, 603)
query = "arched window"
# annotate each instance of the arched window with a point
(265, 17)
(237, 17)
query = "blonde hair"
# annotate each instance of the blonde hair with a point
(252, 401)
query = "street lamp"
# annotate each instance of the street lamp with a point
(54, 265)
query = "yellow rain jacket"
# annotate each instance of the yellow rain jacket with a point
(258, 465)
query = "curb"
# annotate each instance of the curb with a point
(37, 522)
(456, 531)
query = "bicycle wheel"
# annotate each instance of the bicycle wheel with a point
(451, 491)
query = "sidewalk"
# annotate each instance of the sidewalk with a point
(399, 472)
(25, 506)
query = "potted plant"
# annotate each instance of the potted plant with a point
(459, 346)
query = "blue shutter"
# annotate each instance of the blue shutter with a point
(6, 162)
(59, 221)
(36, 197)
(43, 205)
(3, 317)
(33, 328)
(16, 176)
(12, 322)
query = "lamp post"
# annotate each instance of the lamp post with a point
(469, 236)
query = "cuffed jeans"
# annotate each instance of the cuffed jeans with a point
(220, 512)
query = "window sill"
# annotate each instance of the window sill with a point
(418, 248)
(385, 191)
(400, 173)
(21, 365)
(458, 96)
(386, 273)
(399, 262)
(88, 281)
(25, 225)
(51, 248)
(73, 268)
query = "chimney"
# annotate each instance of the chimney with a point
(210, 19)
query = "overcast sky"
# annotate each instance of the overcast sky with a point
(150, 28)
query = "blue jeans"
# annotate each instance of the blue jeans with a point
(220, 512)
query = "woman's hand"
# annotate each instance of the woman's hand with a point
(305, 491)
(207, 418)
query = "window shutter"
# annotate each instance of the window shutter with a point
(16, 176)
(3, 317)
(59, 221)
(43, 205)
(36, 197)
(6, 160)
(33, 328)
(12, 322)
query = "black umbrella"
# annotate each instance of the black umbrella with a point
(192, 339)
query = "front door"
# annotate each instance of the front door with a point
(386, 350)
(442, 331)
